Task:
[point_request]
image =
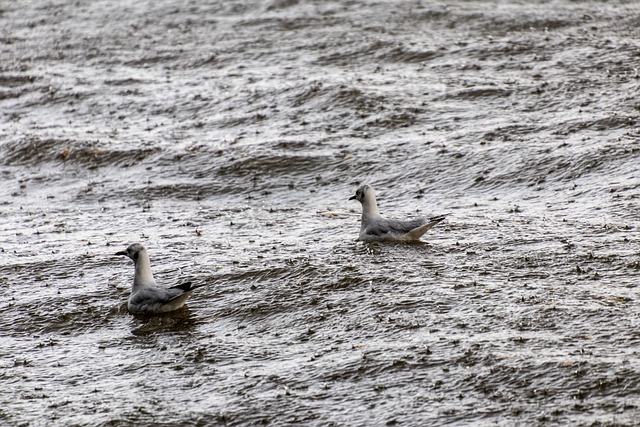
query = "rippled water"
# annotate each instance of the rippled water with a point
(227, 137)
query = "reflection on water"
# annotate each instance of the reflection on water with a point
(227, 138)
(177, 321)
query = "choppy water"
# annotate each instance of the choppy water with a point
(227, 136)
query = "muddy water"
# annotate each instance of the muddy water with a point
(227, 137)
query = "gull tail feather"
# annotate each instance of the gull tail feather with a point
(417, 232)
(186, 286)
(189, 286)
(438, 218)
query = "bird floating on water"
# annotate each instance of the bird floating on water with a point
(146, 296)
(375, 228)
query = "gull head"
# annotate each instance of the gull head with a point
(365, 192)
(133, 251)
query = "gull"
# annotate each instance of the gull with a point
(146, 296)
(375, 228)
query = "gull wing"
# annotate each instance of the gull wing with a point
(157, 295)
(386, 227)
(409, 230)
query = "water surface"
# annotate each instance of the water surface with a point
(227, 138)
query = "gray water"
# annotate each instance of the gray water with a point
(227, 136)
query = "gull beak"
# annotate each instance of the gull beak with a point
(352, 198)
